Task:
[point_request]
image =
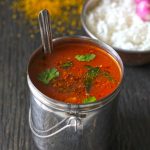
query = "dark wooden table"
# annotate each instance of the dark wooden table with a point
(132, 128)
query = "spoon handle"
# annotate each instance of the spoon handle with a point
(45, 30)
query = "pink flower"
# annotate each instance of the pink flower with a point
(138, 1)
(143, 9)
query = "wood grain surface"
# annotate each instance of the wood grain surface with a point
(132, 127)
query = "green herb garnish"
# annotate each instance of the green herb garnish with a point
(67, 65)
(48, 75)
(104, 73)
(86, 57)
(90, 99)
(92, 73)
(88, 84)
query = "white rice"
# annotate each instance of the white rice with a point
(116, 23)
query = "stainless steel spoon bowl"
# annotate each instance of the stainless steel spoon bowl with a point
(132, 58)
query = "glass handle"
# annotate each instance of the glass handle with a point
(71, 121)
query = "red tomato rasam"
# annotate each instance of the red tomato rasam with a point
(77, 73)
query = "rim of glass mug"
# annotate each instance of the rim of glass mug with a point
(81, 107)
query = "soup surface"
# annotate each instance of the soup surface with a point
(77, 73)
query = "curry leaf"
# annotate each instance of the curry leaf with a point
(92, 73)
(67, 65)
(88, 84)
(86, 57)
(48, 75)
(90, 99)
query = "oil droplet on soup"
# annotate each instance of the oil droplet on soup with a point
(75, 73)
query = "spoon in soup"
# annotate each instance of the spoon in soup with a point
(45, 30)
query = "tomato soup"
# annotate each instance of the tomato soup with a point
(77, 73)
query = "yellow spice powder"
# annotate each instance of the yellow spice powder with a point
(65, 13)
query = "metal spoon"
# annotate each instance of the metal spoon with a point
(45, 30)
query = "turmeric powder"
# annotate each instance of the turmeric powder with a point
(65, 13)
